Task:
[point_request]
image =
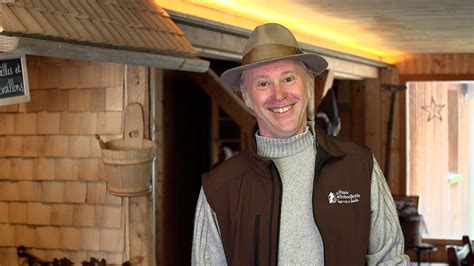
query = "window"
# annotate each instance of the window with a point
(440, 157)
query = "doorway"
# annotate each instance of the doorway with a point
(440, 155)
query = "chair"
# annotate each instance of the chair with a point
(461, 255)
(410, 219)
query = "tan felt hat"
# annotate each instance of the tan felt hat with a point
(269, 43)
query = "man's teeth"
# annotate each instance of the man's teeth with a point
(281, 109)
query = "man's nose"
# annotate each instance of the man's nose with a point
(279, 92)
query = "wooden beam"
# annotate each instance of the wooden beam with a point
(221, 41)
(21, 45)
(350, 69)
(226, 99)
(322, 83)
(140, 217)
(329, 82)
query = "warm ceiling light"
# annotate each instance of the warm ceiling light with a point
(230, 11)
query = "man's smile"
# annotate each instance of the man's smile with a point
(283, 109)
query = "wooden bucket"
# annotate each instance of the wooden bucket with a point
(128, 161)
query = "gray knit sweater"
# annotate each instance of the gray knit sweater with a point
(300, 241)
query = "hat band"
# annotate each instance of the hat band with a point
(269, 51)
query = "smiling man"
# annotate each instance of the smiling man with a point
(297, 196)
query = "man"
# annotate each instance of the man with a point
(297, 196)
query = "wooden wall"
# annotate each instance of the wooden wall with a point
(364, 111)
(421, 66)
(430, 146)
(53, 195)
(429, 67)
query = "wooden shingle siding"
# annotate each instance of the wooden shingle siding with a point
(90, 239)
(9, 255)
(133, 25)
(8, 235)
(9, 191)
(47, 123)
(62, 214)
(4, 213)
(75, 192)
(18, 213)
(39, 213)
(7, 121)
(25, 235)
(54, 195)
(22, 168)
(33, 146)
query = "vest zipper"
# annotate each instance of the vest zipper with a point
(319, 163)
(274, 173)
(256, 241)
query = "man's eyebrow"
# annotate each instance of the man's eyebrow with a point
(261, 76)
(284, 73)
(289, 72)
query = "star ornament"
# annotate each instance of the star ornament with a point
(434, 110)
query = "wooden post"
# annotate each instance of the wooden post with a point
(140, 219)
(358, 102)
(162, 235)
(215, 147)
(392, 140)
(372, 108)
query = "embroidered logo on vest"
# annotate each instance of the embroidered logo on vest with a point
(343, 197)
(332, 198)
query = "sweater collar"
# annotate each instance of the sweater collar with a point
(324, 145)
(271, 148)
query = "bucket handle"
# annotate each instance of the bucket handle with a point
(101, 142)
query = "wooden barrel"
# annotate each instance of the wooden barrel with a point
(128, 169)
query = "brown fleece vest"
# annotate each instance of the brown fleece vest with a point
(245, 193)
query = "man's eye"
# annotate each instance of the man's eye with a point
(262, 84)
(288, 79)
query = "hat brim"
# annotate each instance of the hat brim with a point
(315, 63)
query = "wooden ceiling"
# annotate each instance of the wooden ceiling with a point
(376, 29)
(410, 26)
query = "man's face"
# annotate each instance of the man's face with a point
(277, 93)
